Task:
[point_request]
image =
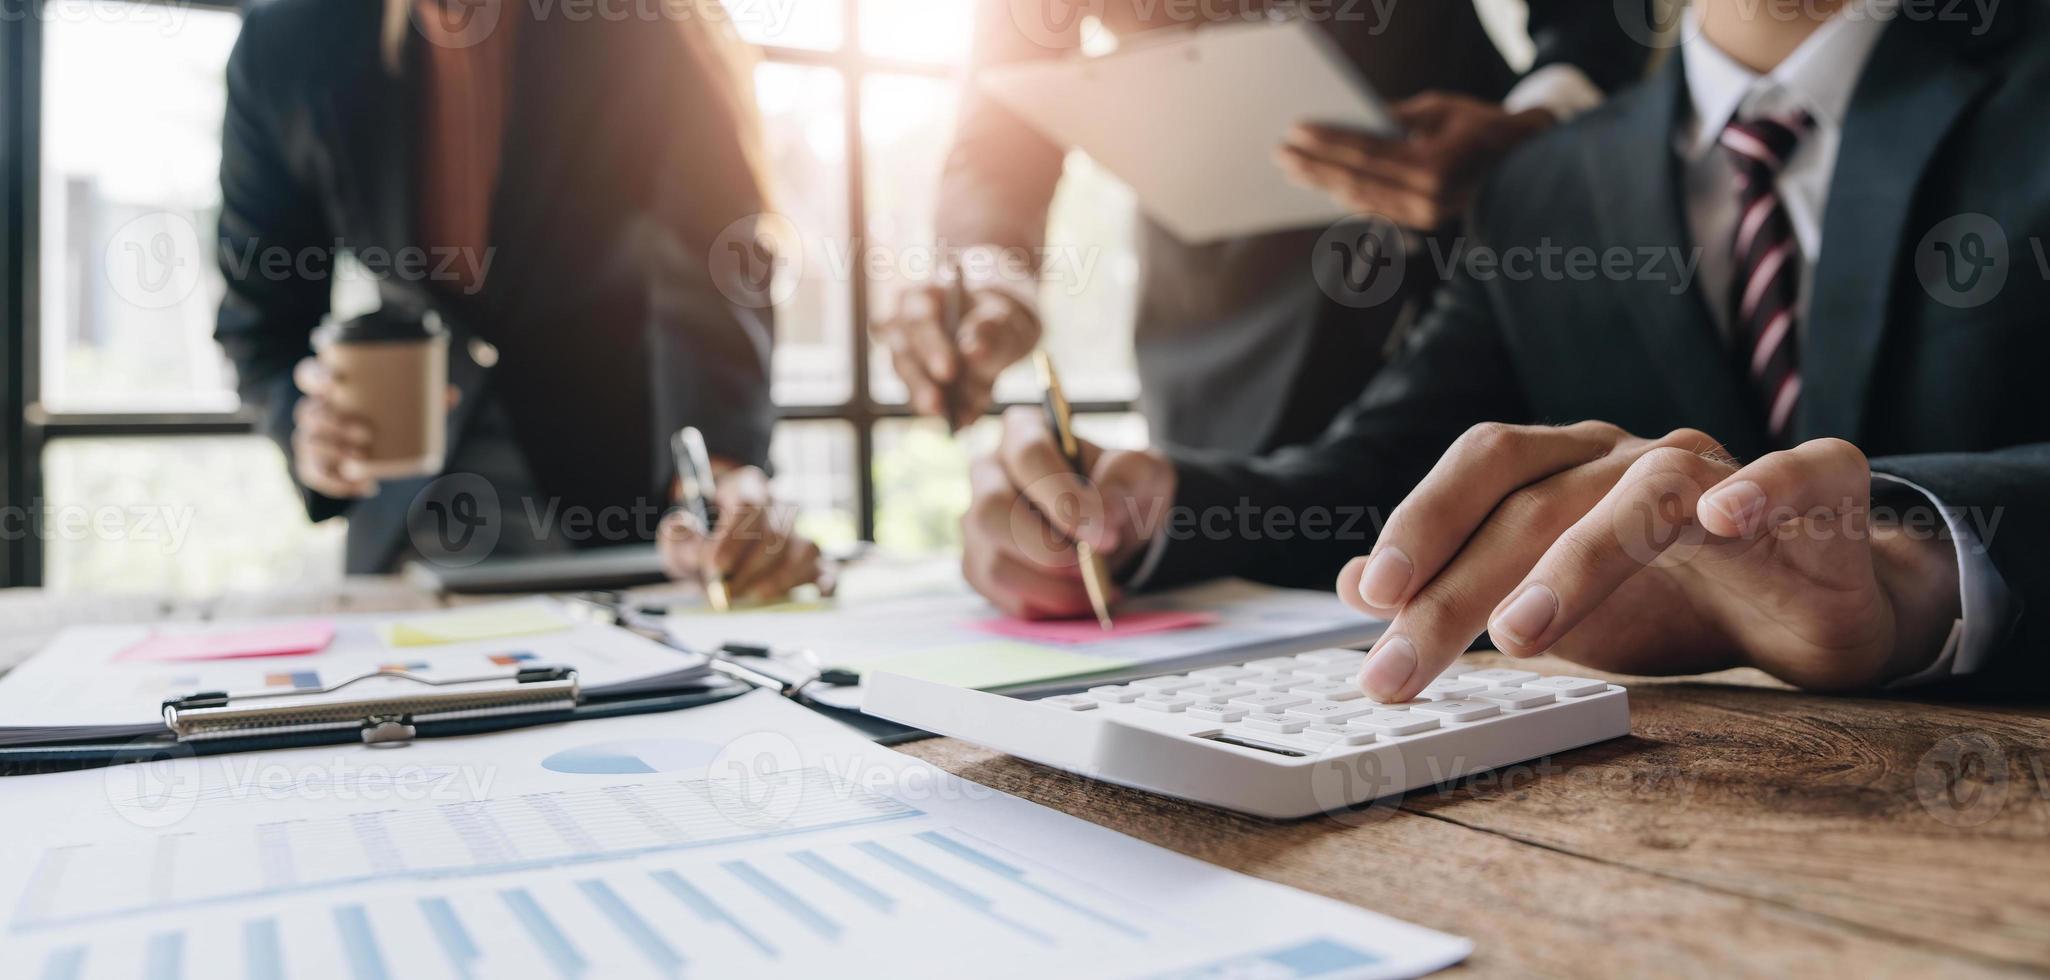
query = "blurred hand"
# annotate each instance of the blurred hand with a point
(1423, 179)
(996, 330)
(329, 444)
(1029, 508)
(754, 547)
(1651, 556)
(326, 442)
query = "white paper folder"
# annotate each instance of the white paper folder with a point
(1191, 120)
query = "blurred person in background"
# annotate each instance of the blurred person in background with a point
(1238, 348)
(560, 192)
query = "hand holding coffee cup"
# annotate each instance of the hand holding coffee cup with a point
(374, 405)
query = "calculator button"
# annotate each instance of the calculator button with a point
(1169, 703)
(1515, 697)
(1328, 671)
(1216, 712)
(1217, 693)
(1116, 693)
(1332, 711)
(1337, 734)
(1444, 690)
(1173, 682)
(1275, 723)
(1276, 682)
(1283, 664)
(1331, 691)
(1270, 701)
(1457, 709)
(1353, 657)
(1222, 673)
(1568, 687)
(1499, 677)
(1395, 723)
(1072, 702)
(1457, 670)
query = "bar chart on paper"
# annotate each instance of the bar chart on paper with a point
(663, 878)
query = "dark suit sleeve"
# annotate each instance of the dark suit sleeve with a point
(1592, 36)
(711, 308)
(1000, 173)
(2000, 494)
(1295, 517)
(266, 320)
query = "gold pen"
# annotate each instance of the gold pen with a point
(1095, 576)
(694, 472)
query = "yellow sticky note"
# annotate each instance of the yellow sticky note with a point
(466, 626)
(994, 665)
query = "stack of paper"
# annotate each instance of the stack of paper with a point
(747, 838)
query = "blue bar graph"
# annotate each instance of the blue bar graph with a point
(709, 910)
(165, 959)
(1017, 875)
(665, 957)
(948, 887)
(448, 930)
(774, 892)
(67, 963)
(358, 944)
(838, 875)
(554, 945)
(263, 956)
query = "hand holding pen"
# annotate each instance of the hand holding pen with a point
(951, 338)
(727, 532)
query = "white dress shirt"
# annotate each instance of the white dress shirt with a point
(1818, 77)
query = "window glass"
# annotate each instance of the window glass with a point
(132, 101)
(811, 24)
(806, 131)
(918, 30)
(184, 515)
(814, 463)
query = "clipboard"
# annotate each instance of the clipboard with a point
(1190, 120)
(392, 707)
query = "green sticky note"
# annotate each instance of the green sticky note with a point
(994, 665)
(492, 623)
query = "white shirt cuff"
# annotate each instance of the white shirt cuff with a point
(1983, 598)
(1560, 89)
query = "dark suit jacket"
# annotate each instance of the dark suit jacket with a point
(1943, 123)
(610, 330)
(1224, 326)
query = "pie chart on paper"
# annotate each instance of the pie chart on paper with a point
(633, 756)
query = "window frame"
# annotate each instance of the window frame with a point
(26, 428)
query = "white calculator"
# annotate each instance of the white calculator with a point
(1277, 737)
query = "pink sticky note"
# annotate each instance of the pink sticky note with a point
(290, 639)
(1088, 631)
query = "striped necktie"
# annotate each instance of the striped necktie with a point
(1767, 264)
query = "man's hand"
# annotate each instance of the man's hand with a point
(1030, 508)
(1421, 180)
(1651, 556)
(757, 553)
(327, 443)
(996, 329)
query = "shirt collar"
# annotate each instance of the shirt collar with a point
(1818, 76)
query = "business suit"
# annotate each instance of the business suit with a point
(609, 326)
(1942, 123)
(1222, 326)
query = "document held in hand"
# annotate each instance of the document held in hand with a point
(1191, 120)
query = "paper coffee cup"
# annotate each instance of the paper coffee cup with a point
(391, 370)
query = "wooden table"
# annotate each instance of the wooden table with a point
(1741, 828)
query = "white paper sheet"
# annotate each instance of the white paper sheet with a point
(747, 838)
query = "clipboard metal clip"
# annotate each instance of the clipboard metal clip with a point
(384, 718)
